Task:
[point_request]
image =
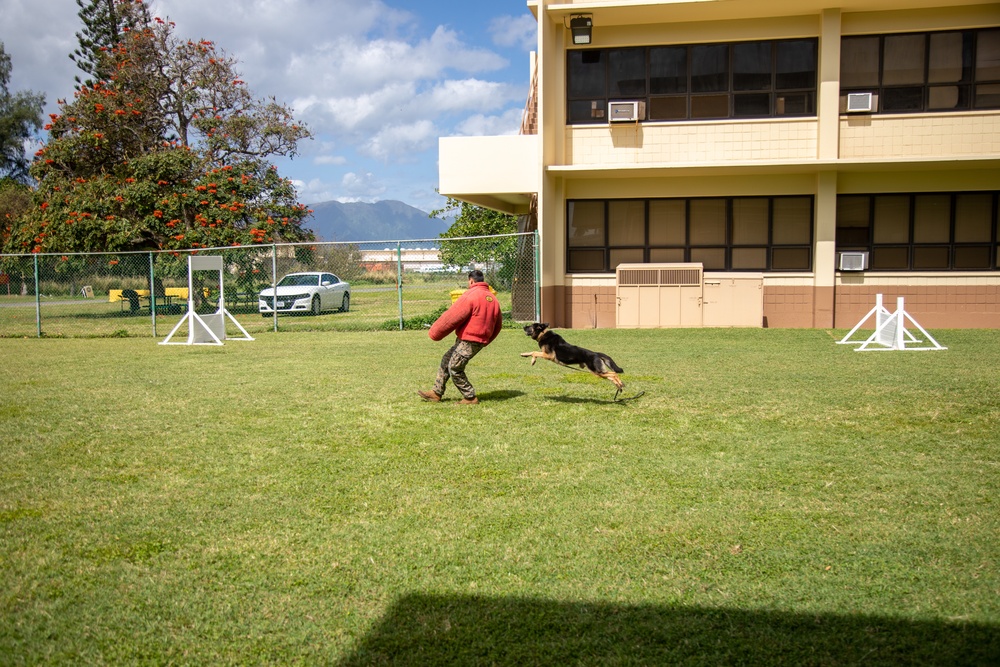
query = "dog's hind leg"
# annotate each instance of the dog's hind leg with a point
(613, 377)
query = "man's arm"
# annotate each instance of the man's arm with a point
(451, 319)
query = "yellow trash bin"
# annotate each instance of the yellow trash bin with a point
(455, 293)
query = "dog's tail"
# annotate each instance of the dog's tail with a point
(610, 363)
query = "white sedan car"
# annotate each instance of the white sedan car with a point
(307, 292)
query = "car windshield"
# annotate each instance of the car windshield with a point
(293, 280)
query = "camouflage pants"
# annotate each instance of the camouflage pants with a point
(453, 366)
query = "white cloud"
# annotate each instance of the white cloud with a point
(515, 31)
(314, 190)
(481, 125)
(361, 187)
(349, 64)
(399, 141)
(469, 94)
(329, 159)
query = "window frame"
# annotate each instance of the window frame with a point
(861, 237)
(912, 96)
(689, 249)
(701, 98)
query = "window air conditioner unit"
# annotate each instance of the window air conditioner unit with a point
(626, 111)
(859, 102)
(852, 261)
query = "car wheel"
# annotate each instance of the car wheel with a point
(345, 305)
(267, 315)
(316, 309)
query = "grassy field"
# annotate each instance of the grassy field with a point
(773, 498)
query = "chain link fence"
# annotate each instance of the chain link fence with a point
(389, 286)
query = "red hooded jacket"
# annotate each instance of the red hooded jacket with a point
(474, 317)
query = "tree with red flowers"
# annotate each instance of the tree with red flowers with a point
(171, 152)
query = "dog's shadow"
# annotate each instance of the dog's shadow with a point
(577, 399)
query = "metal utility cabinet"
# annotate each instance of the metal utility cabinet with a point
(684, 295)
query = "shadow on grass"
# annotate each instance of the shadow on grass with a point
(464, 630)
(501, 395)
(578, 399)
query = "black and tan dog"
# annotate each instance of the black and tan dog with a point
(555, 348)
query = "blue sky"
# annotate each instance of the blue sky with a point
(377, 81)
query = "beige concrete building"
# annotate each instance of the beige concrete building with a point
(754, 162)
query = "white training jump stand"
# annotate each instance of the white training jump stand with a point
(208, 329)
(890, 330)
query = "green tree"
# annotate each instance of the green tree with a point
(104, 24)
(496, 255)
(20, 117)
(171, 152)
(15, 201)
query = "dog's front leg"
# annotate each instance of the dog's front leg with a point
(533, 355)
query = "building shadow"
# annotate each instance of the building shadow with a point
(468, 630)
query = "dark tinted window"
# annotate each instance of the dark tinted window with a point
(935, 71)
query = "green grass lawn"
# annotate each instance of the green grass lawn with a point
(773, 498)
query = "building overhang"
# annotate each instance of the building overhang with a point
(773, 167)
(611, 13)
(499, 173)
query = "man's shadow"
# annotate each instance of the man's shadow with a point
(499, 395)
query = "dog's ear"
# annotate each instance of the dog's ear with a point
(544, 325)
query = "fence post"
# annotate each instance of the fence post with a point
(399, 280)
(538, 280)
(38, 301)
(152, 294)
(274, 284)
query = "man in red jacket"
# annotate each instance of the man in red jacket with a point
(476, 320)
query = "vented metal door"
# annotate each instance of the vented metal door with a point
(659, 295)
(733, 301)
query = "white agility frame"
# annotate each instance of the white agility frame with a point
(209, 329)
(890, 330)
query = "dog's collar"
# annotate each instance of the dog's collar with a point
(543, 334)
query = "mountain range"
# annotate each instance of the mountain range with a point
(387, 220)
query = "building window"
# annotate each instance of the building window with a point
(764, 79)
(936, 71)
(921, 232)
(722, 233)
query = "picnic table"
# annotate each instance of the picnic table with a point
(237, 299)
(172, 301)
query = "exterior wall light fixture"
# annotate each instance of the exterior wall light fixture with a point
(582, 27)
